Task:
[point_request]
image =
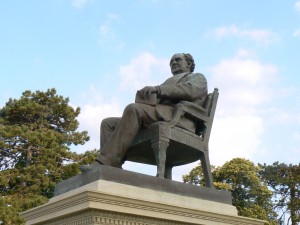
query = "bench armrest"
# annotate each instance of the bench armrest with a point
(194, 111)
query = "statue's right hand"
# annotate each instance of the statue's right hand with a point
(147, 91)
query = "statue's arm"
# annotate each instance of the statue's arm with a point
(194, 87)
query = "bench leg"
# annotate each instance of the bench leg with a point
(168, 172)
(206, 170)
(160, 152)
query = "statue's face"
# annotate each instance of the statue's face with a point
(179, 65)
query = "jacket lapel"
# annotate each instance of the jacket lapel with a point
(177, 78)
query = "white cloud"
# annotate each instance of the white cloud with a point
(297, 6)
(261, 36)
(284, 116)
(243, 81)
(245, 84)
(92, 113)
(80, 3)
(108, 35)
(235, 136)
(144, 70)
(90, 119)
(296, 33)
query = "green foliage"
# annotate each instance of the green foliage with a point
(250, 195)
(72, 169)
(284, 180)
(9, 212)
(195, 176)
(36, 132)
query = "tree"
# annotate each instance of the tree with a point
(36, 132)
(250, 195)
(284, 180)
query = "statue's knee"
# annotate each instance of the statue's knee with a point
(104, 122)
(131, 108)
(108, 124)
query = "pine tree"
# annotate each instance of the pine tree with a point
(284, 180)
(36, 132)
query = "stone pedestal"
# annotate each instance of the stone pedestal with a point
(111, 201)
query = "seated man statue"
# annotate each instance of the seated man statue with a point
(117, 134)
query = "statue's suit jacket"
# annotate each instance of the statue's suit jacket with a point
(117, 134)
(191, 87)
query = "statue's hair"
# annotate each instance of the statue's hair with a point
(189, 58)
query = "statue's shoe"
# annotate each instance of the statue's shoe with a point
(89, 167)
(103, 160)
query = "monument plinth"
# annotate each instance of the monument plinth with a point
(122, 197)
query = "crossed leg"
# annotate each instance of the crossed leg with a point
(117, 134)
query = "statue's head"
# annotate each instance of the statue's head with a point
(181, 63)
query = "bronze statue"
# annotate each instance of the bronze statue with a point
(153, 103)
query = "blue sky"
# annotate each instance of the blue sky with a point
(99, 52)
